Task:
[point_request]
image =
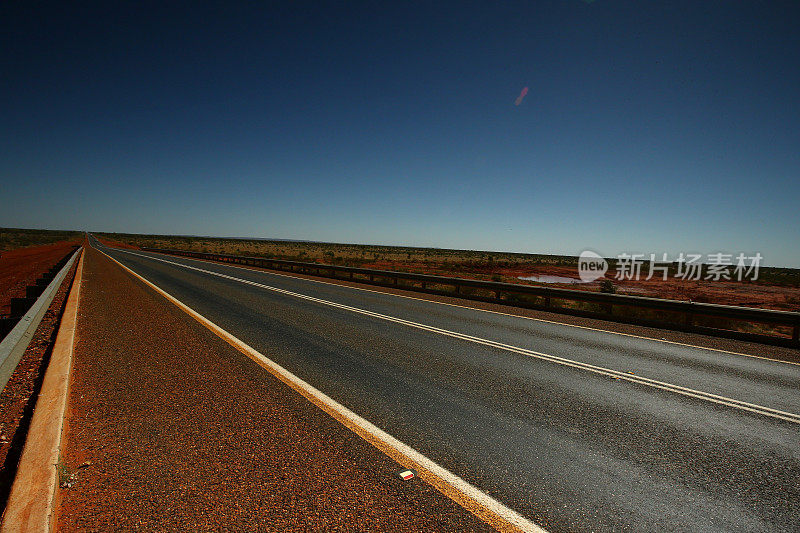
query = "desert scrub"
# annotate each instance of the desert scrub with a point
(608, 287)
(66, 476)
(12, 238)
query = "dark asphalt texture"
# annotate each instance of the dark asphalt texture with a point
(567, 448)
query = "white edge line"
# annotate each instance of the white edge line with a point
(464, 487)
(665, 341)
(641, 380)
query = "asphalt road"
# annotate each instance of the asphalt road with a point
(554, 421)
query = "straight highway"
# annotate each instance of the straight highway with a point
(574, 429)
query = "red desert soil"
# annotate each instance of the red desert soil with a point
(719, 292)
(21, 267)
(18, 398)
(116, 244)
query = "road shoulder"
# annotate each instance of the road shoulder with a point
(178, 430)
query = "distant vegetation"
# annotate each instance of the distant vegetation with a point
(494, 266)
(404, 258)
(478, 264)
(12, 238)
(776, 288)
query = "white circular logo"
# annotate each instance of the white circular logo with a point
(591, 266)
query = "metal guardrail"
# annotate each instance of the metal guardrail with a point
(686, 316)
(13, 346)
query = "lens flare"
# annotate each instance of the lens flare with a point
(521, 96)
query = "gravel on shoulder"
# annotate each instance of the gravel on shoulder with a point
(172, 429)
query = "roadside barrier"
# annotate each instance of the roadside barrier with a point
(37, 302)
(768, 326)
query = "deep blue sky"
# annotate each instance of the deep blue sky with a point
(647, 128)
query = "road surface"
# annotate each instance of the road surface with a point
(575, 429)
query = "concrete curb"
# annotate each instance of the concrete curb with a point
(30, 505)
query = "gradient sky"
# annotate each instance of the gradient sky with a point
(646, 128)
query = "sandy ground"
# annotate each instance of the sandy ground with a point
(115, 243)
(719, 292)
(180, 432)
(21, 267)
